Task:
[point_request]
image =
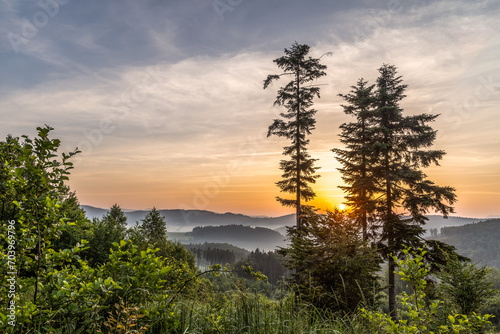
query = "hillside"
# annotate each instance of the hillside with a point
(240, 253)
(185, 220)
(438, 222)
(211, 253)
(435, 222)
(479, 241)
(246, 237)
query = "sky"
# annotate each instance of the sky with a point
(165, 99)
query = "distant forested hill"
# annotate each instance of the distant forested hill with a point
(185, 220)
(438, 222)
(434, 222)
(242, 236)
(479, 242)
(208, 254)
(239, 253)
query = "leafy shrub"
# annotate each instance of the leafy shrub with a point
(420, 315)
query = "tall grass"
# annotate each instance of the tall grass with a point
(238, 312)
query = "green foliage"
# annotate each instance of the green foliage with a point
(151, 230)
(177, 251)
(420, 315)
(82, 299)
(33, 177)
(154, 228)
(70, 298)
(243, 282)
(334, 267)
(493, 307)
(140, 273)
(298, 122)
(151, 233)
(116, 216)
(106, 231)
(465, 285)
(493, 278)
(80, 227)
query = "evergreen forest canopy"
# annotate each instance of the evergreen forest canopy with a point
(66, 274)
(478, 242)
(243, 236)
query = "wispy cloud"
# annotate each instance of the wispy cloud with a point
(171, 94)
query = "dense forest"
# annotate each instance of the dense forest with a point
(478, 242)
(208, 254)
(242, 236)
(65, 273)
(269, 263)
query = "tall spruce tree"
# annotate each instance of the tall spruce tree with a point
(116, 216)
(154, 228)
(296, 123)
(401, 146)
(357, 156)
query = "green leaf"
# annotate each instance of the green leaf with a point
(165, 270)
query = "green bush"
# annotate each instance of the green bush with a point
(420, 315)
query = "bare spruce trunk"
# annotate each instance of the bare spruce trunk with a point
(390, 242)
(298, 211)
(392, 289)
(363, 175)
(365, 226)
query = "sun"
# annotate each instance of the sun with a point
(341, 207)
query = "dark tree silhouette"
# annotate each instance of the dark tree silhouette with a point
(296, 123)
(401, 149)
(154, 228)
(357, 156)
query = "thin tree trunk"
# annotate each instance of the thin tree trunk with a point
(392, 289)
(392, 264)
(364, 222)
(365, 226)
(390, 242)
(297, 145)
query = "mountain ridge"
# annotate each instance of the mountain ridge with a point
(185, 220)
(179, 220)
(478, 241)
